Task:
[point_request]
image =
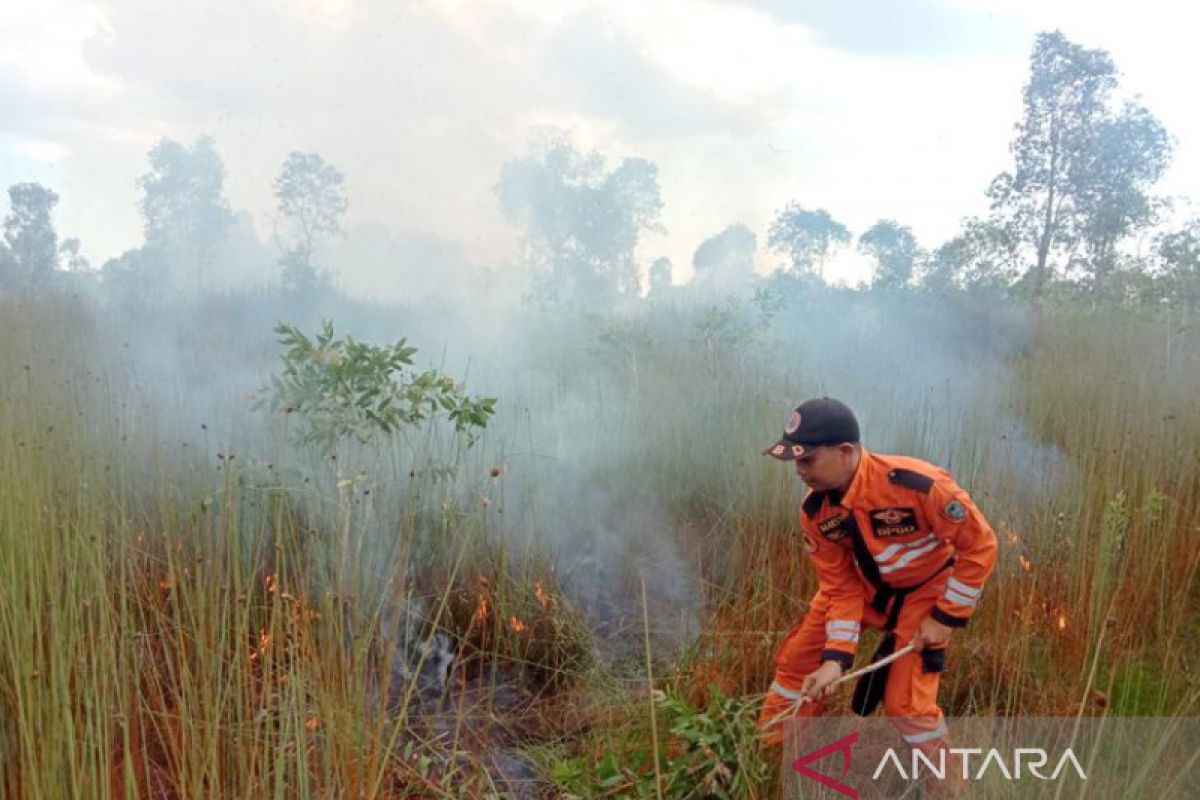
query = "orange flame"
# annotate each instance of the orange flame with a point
(269, 583)
(1062, 621)
(540, 593)
(313, 722)
(516, 624)
(1026, 564)
(264, 641)
(481, 610)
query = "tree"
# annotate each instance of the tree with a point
(71, 256)
(581, 222)
(725, 262)
(29, 233)
(893, 248)
(1079, 170)
(807, 238)
(184, 210)
(1179, 253)
(984, 255)
(1131, 151)
(660, 277)
(312, 199)
(8, 268)
(341, 389)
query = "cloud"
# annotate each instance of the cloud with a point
(871, 109)
(612, 79)
(921, 29)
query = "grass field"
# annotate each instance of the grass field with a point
(191, 611)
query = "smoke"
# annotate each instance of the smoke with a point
(623, 437)
(628, 427)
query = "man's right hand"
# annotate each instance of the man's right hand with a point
(818, 685)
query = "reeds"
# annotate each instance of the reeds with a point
(174, 624)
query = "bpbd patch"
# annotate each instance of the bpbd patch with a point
(955, 510)
(887, 522)
(833, 529)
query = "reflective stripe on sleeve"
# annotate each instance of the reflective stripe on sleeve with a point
(844, 636)
(962, 588)
(955, 597)
(842, 625)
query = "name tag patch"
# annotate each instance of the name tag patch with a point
(833, 529)
(887, 522)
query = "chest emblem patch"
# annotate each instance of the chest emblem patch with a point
(887, 522)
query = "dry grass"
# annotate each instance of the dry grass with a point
(171, 626)
(1102, 558)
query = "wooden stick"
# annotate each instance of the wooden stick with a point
(658, 782)
(883, 662)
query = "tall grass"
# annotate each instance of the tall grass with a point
(1098, 561)
(180, 618)
(181, 623)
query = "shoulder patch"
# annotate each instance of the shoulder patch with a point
(911, 480)
(812, 503)
(955, 510)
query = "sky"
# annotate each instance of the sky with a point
(872, 109)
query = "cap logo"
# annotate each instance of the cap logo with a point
(777, 450)
(797, 450)
(793, 423)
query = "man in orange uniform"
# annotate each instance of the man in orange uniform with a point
(898, 545)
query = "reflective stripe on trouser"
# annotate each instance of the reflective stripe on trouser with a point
(910, 699)
(798, 655)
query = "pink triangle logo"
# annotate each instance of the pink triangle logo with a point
(843, 746)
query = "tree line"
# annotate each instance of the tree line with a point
(186, 219)
(1074, 217)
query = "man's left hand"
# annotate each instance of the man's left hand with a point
(931, 633)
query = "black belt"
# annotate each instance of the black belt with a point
(885, 594)
(870, 687)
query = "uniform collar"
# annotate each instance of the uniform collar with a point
(846, 499)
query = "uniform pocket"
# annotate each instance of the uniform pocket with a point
(933, 660)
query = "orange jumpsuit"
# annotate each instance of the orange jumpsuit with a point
(904, 542)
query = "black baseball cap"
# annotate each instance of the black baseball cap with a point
(814, 423)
